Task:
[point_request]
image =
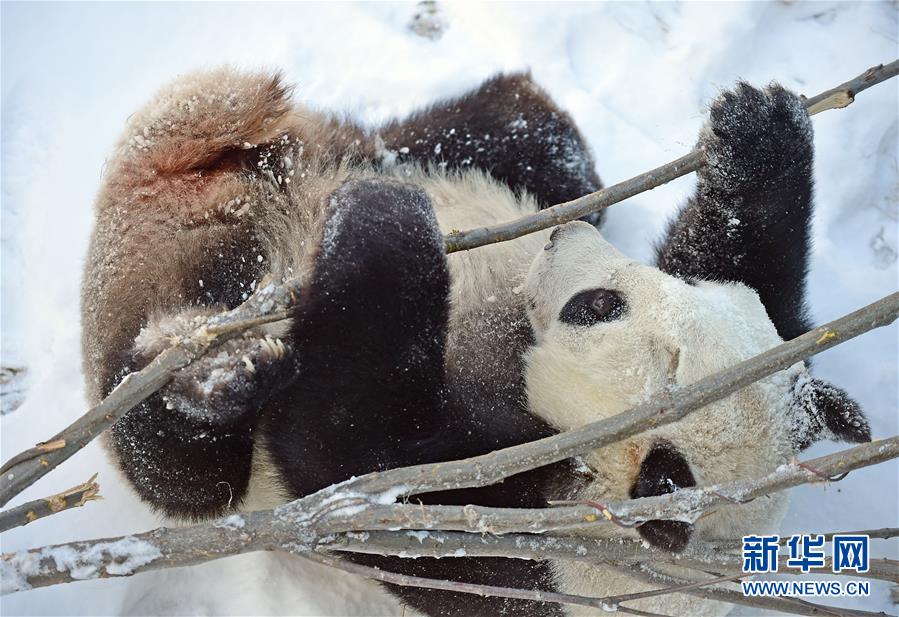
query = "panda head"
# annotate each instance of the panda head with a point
(610, 332)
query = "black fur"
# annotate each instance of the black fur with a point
(196, 464)
(380, 401)
(510, 127)
(370, 335)
(185, 466)
(827, 411)
(749, 219)
(663, 471)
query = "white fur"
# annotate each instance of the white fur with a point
(494, 273)
(579, 374)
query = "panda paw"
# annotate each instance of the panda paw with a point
(755, 139)
(232, 381)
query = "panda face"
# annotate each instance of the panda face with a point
(610, 332)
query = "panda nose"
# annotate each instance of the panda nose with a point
(552, 238)
(562, 229)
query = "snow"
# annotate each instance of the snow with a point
(636, 79)
(125, 556)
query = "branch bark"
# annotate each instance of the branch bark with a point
(698, 556)
(74, 497)
(309, 523)
(841, 96)
(268, 304)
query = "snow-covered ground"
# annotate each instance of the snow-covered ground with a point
(636, 77)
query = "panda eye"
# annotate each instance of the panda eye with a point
(593, 306)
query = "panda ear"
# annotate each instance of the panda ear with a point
(825, 411)
(664, 470)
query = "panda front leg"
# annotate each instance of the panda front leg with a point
(187, 450)
(749, 218)
(509, 127)
(369, 333)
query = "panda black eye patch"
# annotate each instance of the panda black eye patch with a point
(593, 306)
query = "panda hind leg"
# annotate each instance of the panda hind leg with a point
(509, 127)
(369, 333)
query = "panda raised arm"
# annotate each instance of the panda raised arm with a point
(749, 221)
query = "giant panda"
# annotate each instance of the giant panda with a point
(397, 354)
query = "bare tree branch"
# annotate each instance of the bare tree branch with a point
(844, 94)
(74, 497)
(841, 96)
(883, 533)
(448, 544)
(608, 603)
(151, 550)
(303, 525)
(272, 303)
(269, 303)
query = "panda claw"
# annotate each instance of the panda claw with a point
(754, 137)
(227, 385)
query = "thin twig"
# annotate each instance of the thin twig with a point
(841, 96)
(844, 94)
(404, 580)
(780, 604)
(74, 497)
(882, 533)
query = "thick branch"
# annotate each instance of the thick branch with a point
(123, 556)
(841, 96)
(448, 544)
(270, 303)
(309, 523)
(74, 497)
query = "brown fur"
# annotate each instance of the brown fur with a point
(170, 190)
